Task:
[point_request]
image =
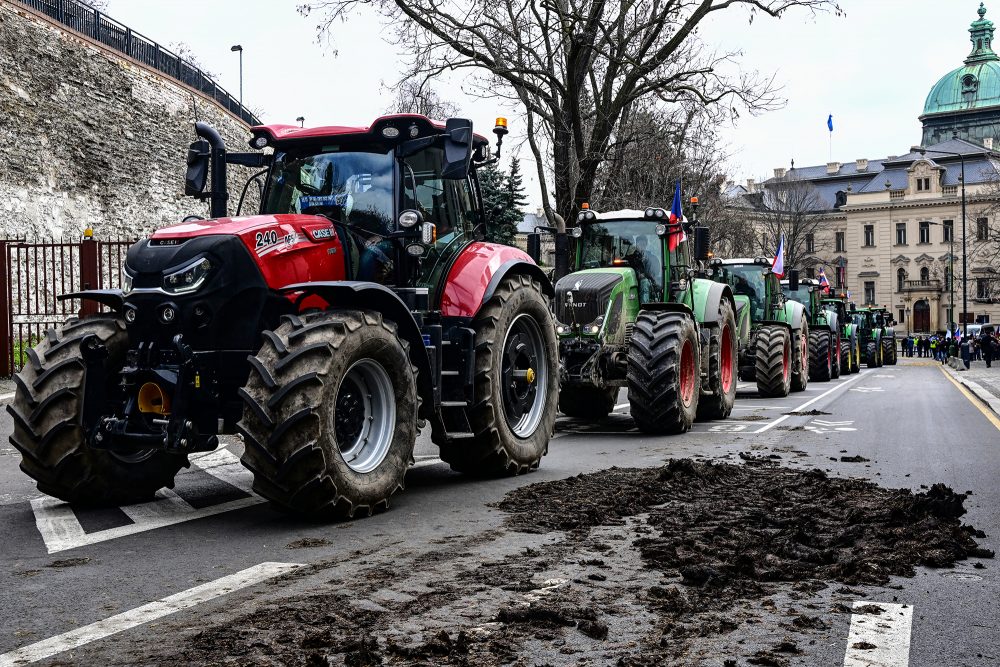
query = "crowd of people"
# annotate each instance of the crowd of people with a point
(985, 347)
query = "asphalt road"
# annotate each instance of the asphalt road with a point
(65, 570)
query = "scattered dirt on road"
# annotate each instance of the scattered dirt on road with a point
(69, 562)
(807, 413)
(309, 543)
(629, 567)
(854, 459)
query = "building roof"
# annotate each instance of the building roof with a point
(975, 85)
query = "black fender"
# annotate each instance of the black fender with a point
(667, 307)
(515, 267)
(112, 298)
(777, 323)
(359, 295)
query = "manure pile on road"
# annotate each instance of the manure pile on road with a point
(688, 564)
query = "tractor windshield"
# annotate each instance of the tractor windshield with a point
(352, 187)
(748, 280)
(802, 295)
(626, 243)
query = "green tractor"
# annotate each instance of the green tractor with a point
(870, 331)
(850, 343)
(773, 330)
(885, 322)
(631, 313)
(824, 327)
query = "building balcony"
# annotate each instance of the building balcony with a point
(923, 286)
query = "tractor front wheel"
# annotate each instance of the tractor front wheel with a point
(47, 432)
(835, 351)
(820, 356)
(590, 403)
(664, 376)
(800, 358)
(516, 384)
(773, 366)
(722, 367)
(871, 355)
(330, 416)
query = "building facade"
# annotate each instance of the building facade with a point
(892, 231)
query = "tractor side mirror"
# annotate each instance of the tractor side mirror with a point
(793, 280)
(197, 168)
(702, 243)
(535, 247)
(457, 148)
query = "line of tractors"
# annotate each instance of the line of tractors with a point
(361, 302)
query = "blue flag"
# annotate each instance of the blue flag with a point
(829, 122)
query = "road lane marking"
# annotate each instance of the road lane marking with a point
(620, 406)
(881, 639)
(144, 614)
(810, 402)
(972, 399)
(61, 530)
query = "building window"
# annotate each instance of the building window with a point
(925, 232)
(901, 314)
(923, 185)
(982, 229)
(900, 233)
(900, 279)
(947, 231)
(810, 272)
(869, 236)
(869, 292)
(810, 243)
(841, 241)
(925, 274)
(982, 288)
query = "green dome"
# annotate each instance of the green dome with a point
(976, 85)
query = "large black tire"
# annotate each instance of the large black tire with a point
(718, 404)
(314, 439)
(889, 351)
(872, 355)
(664, 378)
(773, 365)
(836, 349)
(821, 358)
(590, 403)
(846, 357)
(511, 436)
(46, 410)
(800, 358)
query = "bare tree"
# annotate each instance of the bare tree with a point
(414, 96)
(578, 68)
(184, 51)
(790, 206)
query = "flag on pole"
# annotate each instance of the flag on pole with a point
(778, 265)
(829, 122)
(823, 282)
(676, 235)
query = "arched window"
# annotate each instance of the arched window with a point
(925, 274)
(900, 279)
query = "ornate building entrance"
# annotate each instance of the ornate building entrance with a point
(921, 317)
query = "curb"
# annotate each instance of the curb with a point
(991, 401)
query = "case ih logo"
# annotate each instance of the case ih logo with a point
(325, 233)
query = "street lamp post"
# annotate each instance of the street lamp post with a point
(965, 279)
(301, 120)
(239, 48)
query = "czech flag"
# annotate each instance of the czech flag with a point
(778, 265)
(823, 282)
(677, 235)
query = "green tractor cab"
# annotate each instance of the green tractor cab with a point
(773, 330)
(885, 322)
(870, 331)
(631, 313)
(850, 344)
(824, 330)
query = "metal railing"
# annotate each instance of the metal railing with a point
(89, 21)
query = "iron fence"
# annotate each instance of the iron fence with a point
(89, 21)
(35, 274)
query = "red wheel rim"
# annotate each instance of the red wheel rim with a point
(838, 351)
(726, 359)
(786, 364)
(687, 373)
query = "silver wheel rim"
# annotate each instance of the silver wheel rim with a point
(522, 341)
(366, 391)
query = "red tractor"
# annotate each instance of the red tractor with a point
(359, 304)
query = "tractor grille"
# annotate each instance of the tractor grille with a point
(590, 294)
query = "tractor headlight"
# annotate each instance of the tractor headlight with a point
(189, 278)
(408, 219)
(576, 232)
(561, 329)
(595, 326)
(126, 282)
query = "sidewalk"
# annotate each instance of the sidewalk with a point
(6, 388)
(981, 381)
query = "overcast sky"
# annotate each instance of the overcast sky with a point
(871, 69)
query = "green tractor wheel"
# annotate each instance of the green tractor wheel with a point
(590, 403)
(773, 367)
(663, 372)
(722, 367)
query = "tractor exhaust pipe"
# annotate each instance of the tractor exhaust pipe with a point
(219, 194)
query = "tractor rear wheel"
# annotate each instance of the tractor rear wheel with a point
(722, 367)
(773, 366)
(47, 407)
(664, 377)
(820, 356)
(889, 351)
(836, 349)
(800, 358)
(590, 403)
(331, 414)
(516, 384)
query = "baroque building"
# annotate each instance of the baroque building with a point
(890, 231)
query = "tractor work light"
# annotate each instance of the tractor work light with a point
(189, 278)
(661, 230)
(390, 132)
(595, 329)
(408, 219)
(415, 250)
(577, 232)
(414, 131)
(560, 329)
(586, 215)
(657, 213)
(258, 142)
(168, 314)
(428, 233)
(130, 315)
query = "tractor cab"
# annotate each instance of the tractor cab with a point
(753, 280)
